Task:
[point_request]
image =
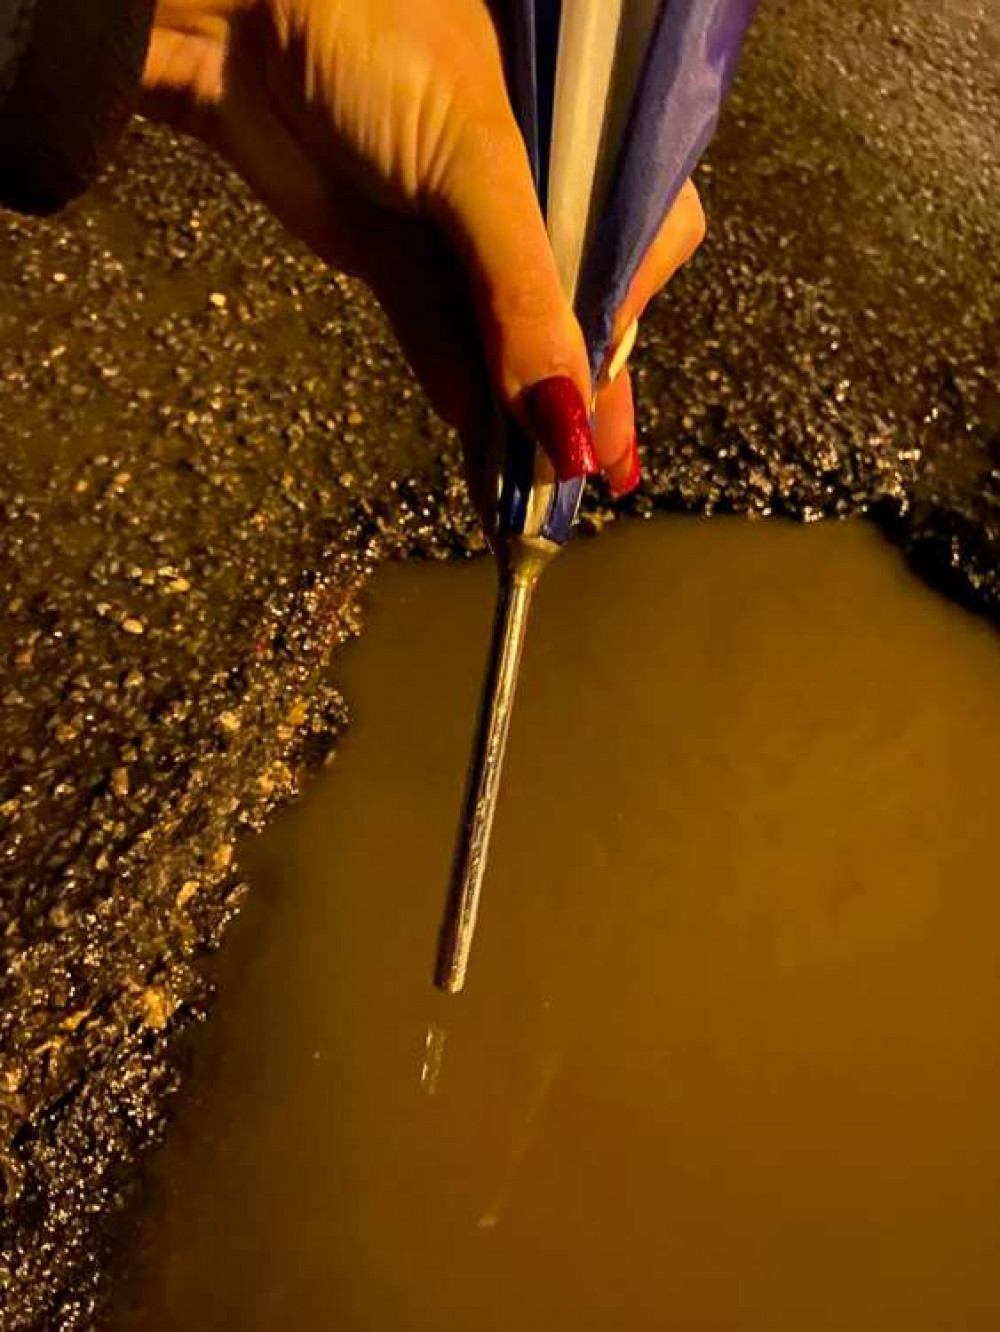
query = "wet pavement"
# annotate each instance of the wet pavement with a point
(208, 443)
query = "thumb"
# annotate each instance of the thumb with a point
(487, 206)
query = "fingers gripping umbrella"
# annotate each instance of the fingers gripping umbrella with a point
(617, 100)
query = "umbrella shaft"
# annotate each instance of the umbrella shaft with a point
(516, 592)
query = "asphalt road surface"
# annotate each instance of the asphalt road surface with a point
(207, 443)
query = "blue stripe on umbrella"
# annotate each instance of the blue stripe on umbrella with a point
(520, 38)
(531, 36)
(518, 476)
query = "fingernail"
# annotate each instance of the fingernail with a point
(620, 488)
(621, 353)
(557, 418)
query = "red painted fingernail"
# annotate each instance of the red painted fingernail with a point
(630, 481)
(558, 419)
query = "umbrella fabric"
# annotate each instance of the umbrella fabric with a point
(617, 100)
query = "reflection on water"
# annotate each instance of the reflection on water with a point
(730, 1053)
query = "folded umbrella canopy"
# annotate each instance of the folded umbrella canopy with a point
(617, 101)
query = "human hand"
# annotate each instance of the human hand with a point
(382, 134)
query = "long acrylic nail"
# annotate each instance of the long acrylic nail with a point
(629, 480)
(621, 353)
(557, 417)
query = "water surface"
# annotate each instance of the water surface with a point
(729, 1056)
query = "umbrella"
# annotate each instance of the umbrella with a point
(617, 100)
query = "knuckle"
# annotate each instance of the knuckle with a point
(488, 137)
(525, 300)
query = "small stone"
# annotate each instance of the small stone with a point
(223, 856)
(354, 417)
(12, 1079)
(218, 299)
(158, 1006)
(297, 713)
(119, 781)
(133, 626)
(275, 776)
(229, 721)
(186, 892)
(65, 731)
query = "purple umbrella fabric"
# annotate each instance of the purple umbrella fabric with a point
(684, 71)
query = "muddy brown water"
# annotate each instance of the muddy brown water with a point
(730, 1054)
